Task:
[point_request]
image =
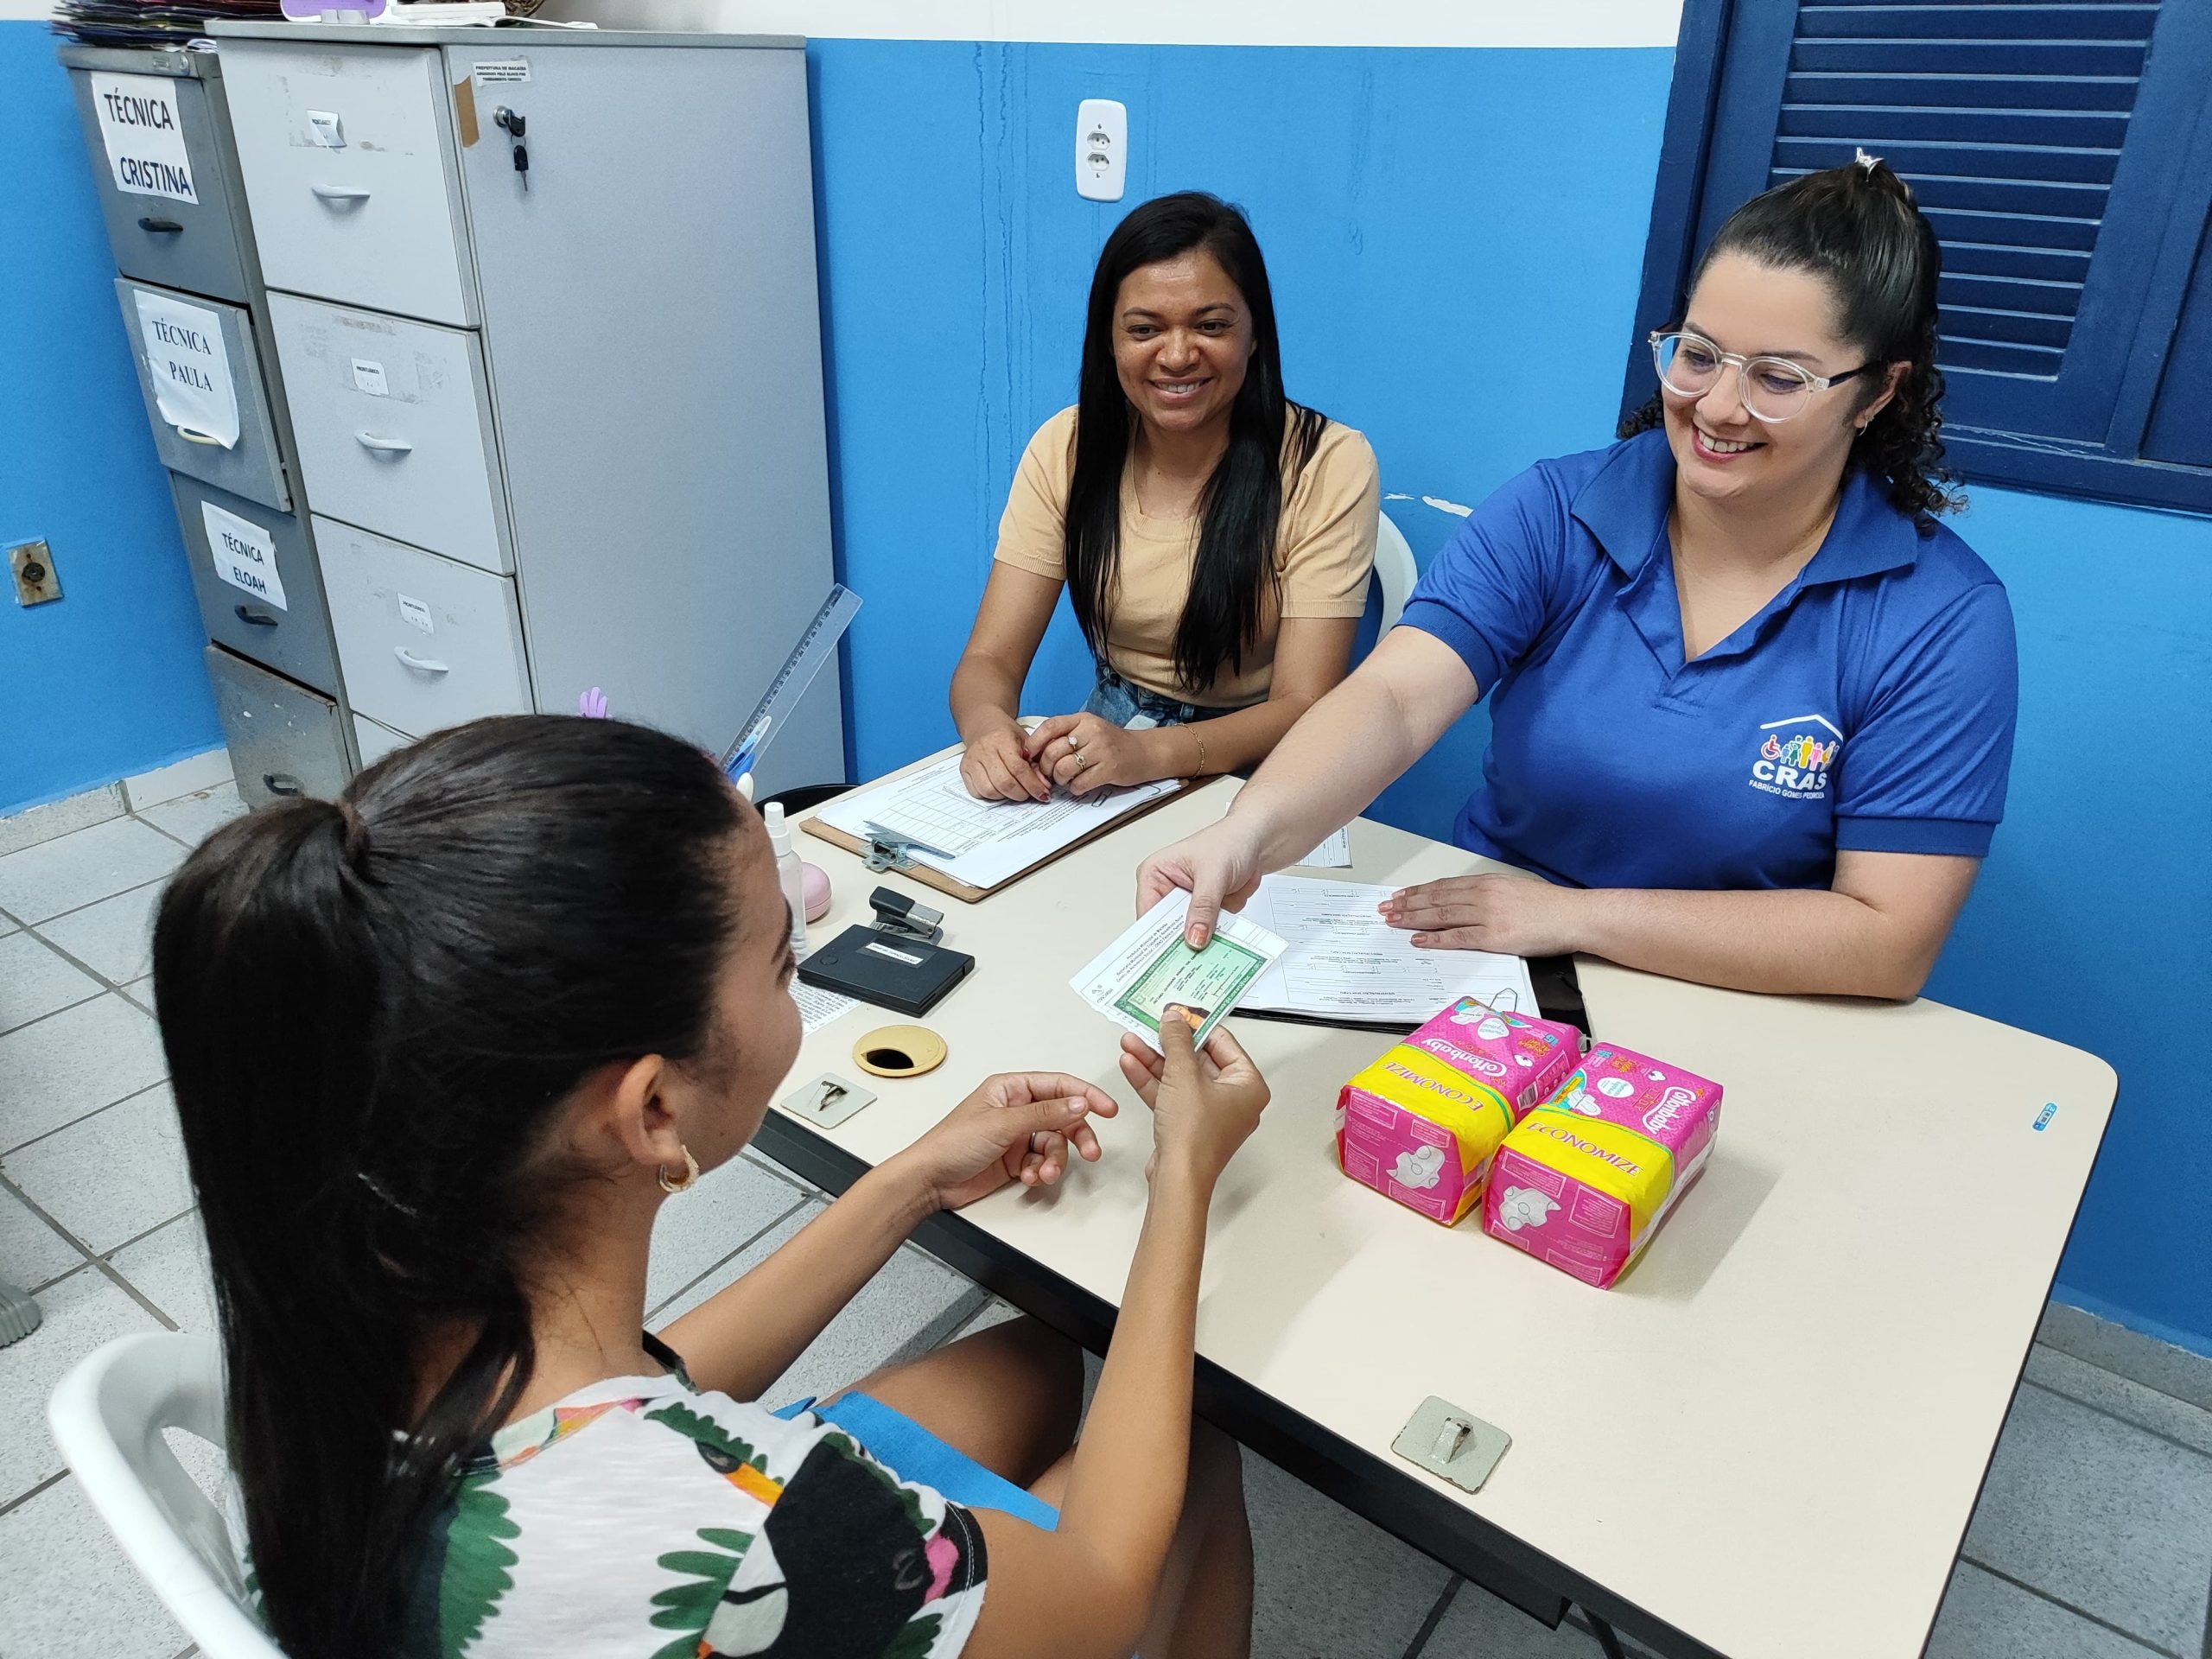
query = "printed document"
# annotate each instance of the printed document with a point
(1334, 854)
(979, 842)
(1133, 979)
(1341, 960)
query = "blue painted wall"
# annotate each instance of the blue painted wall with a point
(1418, 199)
(2092, 921)
(106, 681)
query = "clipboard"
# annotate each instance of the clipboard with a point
(929, 876)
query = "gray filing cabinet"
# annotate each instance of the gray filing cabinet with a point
(561, 429)
(196, 313)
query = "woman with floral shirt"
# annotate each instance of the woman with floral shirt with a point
(441, 1048)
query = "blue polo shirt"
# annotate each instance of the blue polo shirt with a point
(1869, 706)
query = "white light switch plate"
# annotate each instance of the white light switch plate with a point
(1102, 149)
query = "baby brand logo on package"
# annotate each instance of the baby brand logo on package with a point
(1419, 1125)
(1585, 1180)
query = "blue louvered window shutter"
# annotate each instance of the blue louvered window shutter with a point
(2062, 149)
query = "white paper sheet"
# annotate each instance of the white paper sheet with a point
(1151, 965)
(1334, 854)
(143, 130)
(245, 554)
(189, 366)
(817, 1007)
(979, 842)
(1343, 960)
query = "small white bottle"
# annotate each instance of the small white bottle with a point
(789, 873)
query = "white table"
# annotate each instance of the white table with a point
(1766, 1440)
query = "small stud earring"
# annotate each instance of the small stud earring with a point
(690, 1173)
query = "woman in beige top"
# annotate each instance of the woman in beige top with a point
(1215, 537)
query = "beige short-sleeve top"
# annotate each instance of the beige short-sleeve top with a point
(1325, 549)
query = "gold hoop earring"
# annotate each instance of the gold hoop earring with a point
(690, 1173)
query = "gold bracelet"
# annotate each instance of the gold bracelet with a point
(1195, 734)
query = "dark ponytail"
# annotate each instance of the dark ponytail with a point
(1241, 507)
(371, 1007)
(1858, 227)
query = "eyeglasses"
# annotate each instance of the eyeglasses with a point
(1772, 388)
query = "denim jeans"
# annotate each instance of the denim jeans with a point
(1122, 701)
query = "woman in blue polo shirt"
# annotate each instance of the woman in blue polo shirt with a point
(1751, 706)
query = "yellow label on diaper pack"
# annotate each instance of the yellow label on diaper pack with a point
(1473, 1112)
(1602, 1156)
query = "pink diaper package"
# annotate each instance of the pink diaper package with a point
(1421, 1124)
(1585, 1179)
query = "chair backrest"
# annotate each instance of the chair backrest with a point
(107, 1415)
(1394, 572)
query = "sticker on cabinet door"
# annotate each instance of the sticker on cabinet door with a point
(190, 368)
(415, 614)
(244, 554)
(143, 130)
(369, 377)
(499, 72)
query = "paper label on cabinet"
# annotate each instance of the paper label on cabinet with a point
(415, 614)
(325, 127)
(244, 554)
(143, 132)
(189, 366)
(500, 72)
(369, 377)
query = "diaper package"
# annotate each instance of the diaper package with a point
(1419, 1125)
(1585, 1179)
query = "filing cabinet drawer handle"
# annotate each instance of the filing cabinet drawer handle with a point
(160, 227)
(342, 195)
(258, 618)
(383, 446)
(281, 783)
(420, 665)
(191, 436)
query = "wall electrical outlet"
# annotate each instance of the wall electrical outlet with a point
(1102, 149)
(33, 566)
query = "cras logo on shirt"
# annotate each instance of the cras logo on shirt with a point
(1795, 757)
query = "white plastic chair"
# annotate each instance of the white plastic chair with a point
(107, 1415)
(1394, 572)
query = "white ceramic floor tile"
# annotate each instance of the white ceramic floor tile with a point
(2094, 1385)
(31, 1253)
(2128, 1353)
(755, 1155)
(68, 1591)
(75, 1062)
(140, 991)
(193, 818)
(1984, 1617)
(113, 1176)
(1327, 1582)
(910, 1293)
(730, 1208)
(83, 868)
(2101, 1516)
(114, 936)
(170, 1269)
(38, 824)
(993, 1312)
(82, 1312)
(7, 926)
(35, 982)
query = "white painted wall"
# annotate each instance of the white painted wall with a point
(1167, 23)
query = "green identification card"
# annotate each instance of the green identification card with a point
(1150, 966)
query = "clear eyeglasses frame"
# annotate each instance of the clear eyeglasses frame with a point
(1772, 389)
